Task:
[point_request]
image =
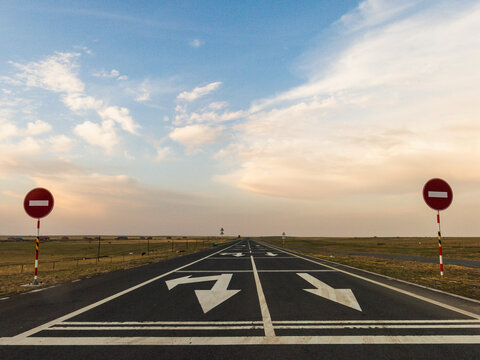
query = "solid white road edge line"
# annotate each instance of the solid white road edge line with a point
(378, 326)
(245, 340)
(462, 321)
(434, 302)
(267, 320)
(103, 301)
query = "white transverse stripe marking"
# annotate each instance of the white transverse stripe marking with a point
(103, 301)
(245, 340)
(267, 320)
(149, 323)
(38, 203)
(438, 194)
(130, 328)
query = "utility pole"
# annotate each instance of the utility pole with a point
(98, 250)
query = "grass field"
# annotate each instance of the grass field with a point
(458, 248)
(65, 260)
(460, 280)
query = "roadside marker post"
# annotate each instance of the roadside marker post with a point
(38, 203)
(438, 195)
(283, 239)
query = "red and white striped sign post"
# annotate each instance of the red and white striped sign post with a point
(38, 203)
(438, 195)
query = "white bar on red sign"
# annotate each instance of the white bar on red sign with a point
(438, 194)
(38, 203)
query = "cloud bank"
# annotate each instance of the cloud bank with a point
(393, 107)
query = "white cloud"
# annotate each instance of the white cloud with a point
(7, 129)
(79, 102)
(121, 116)
(196, 43)
(57, 73)
(29, 146)
(60, 144)
(112, 74)
(198, 92)
(394, 106)
(38, 127)
(211, 116)
(144, 92)
(85, 49)
(218, 105)
(103, 135)
(193, 136)
(372, 13)
(162, 153)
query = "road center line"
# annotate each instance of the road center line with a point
(434, 302)
(103, 301)
(267, 320)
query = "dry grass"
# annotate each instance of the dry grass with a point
(458, 280)
(66, 260)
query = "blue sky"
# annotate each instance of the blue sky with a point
(309, 117)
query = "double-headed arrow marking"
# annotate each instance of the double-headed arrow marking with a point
(208, 299)
(342, 296)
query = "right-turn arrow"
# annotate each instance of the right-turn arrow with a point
(341, 296)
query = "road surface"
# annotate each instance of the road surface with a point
(246, 300)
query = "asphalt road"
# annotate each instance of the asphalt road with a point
(247, 300)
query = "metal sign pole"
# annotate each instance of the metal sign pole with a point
(37, 247)
(440, 243)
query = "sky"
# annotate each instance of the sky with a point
(313, 118)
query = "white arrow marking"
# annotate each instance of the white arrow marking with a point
(38, 203)
(234, 254)
(438, 194)
(208, 299)
(342, 296)
(271, 254)
(187, 280)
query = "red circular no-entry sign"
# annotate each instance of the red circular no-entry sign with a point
(437, 194)
(38, 203)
